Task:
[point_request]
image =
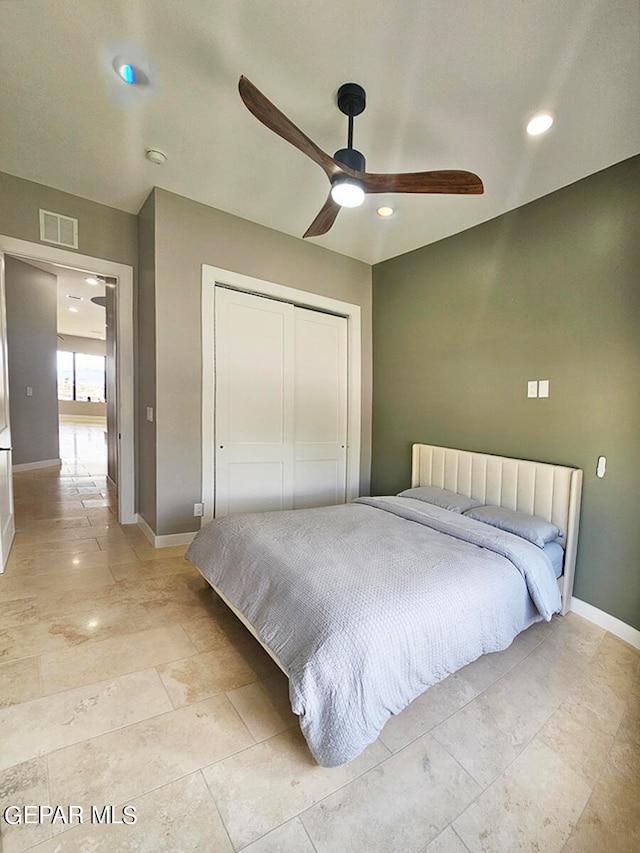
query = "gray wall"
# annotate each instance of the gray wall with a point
(549, 291)
(146, 363)
(187, 235)
(103, 232)
(31, 297)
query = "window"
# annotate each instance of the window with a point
(81, 377)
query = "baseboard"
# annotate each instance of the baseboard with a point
(166, 541)
(605, 620)
(83, 419)
(32, 466)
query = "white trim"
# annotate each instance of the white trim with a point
(211, 276)
(605, 620)
(82, 419)
(31, 466)
(166, 541)
(124, 351)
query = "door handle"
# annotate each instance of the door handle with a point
(6, 448)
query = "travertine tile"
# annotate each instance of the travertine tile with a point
(36, 536)
(291, 837)
(18, 611)
(592, 703)
(42, 725)
(577, 635)
(489, 732)
(268, 784)
(14, 585)
(39, 548)
(54, 561)
(446, 842)
(19, 681)
(208, 633)
(114, 656)
(128, 762)
(488, 668)
(582, 747)
(91, 626)
(625, 750)
(614, 665)
(64, 523)
(152, 568)
(148, 552)
(533, 805)
(401, 804)
(194, 678)
(263, 716)
(432, 707)
(611, 819)
(22, 785)
(179, 816)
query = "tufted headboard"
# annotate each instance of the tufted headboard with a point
(549, 491)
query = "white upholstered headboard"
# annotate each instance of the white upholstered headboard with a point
(549, 491)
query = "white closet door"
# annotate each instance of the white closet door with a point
(253, 409)
(320, 419)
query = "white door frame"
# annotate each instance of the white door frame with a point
(124, 352)
(214, 275)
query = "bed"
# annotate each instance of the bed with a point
(364, 606)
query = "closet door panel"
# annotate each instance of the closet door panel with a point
(320, 409)
(254, 408)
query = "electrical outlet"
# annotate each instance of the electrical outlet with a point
(29, 391)
(150, 414)
(198, 510)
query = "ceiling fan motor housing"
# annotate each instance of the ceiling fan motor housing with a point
(351, 158)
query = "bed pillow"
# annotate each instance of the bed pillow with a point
(529, 527)
(440, 497)
(555, 552)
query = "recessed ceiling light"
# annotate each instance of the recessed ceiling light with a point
(75, 310)
(539, 123)
(384, 211)
(91, 280)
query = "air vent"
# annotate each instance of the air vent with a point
(58, 229)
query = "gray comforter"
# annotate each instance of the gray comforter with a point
(367, 605)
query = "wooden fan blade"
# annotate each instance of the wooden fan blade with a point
(444, 181)
(324, 220)
(271, 117)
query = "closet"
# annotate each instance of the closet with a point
(280, 405)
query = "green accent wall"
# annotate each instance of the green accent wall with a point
(548, 291)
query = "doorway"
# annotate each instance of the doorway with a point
(122, 354)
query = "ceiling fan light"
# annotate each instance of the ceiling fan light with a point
(347, 192)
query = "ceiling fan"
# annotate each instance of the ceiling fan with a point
(346, 169)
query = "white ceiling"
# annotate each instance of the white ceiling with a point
(88, 321)
(449, 85)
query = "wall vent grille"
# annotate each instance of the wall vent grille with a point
(58, 229)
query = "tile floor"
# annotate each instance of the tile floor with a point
(124, 681)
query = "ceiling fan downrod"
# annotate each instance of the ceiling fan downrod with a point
(352, 100)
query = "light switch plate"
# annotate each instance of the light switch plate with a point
(150, 414)
(543, 388)
(532, 388)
